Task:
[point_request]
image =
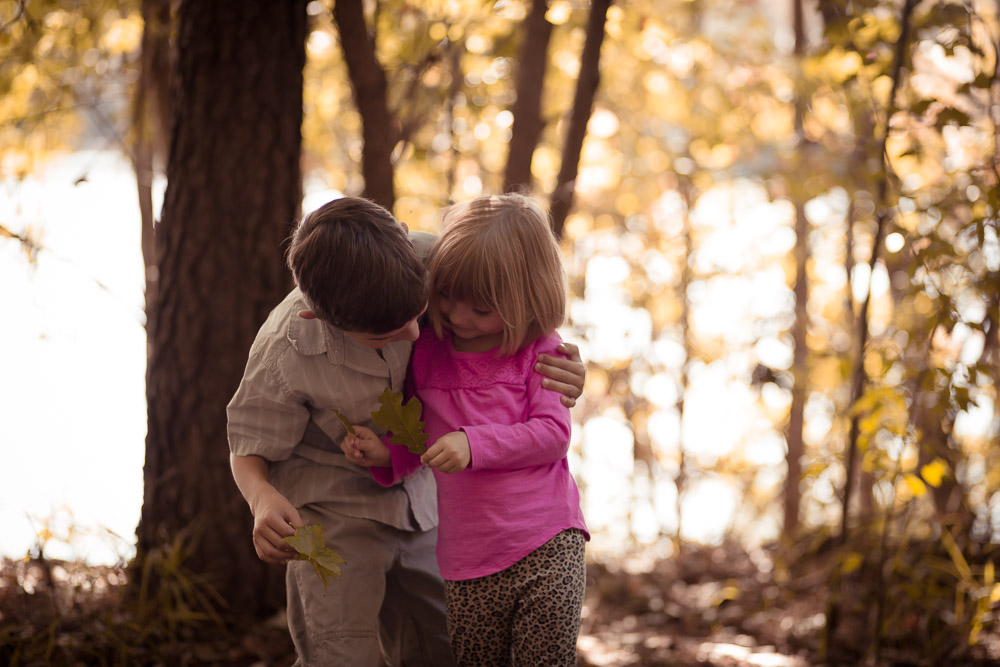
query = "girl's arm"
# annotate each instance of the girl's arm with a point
(541, 438)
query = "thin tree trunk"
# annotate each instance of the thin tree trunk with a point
(793, 432)
(583, 104)
(234, 191)
(532, 63)
(378, 128)
(151, 124)
(686, 190)
(858, 376)
(455, 64)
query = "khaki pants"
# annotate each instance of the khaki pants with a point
(389, 590)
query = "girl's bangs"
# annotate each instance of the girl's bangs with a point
(466, 274)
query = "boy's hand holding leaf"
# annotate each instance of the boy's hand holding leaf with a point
(310, 544)
(365, 448)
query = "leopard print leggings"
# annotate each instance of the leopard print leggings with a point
(527, 615)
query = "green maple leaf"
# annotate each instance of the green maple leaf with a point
(310, 542)
(403, 421)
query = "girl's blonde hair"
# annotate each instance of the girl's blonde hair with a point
(498, 252)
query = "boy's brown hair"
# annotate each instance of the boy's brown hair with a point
(499, 253)
(357, 268)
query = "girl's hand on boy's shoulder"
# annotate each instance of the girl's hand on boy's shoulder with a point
(564, 376)
(451, 453)
(365, 448)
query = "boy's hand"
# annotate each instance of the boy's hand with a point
(449, 454)
(563, 376)
(365, 448)
(273, 518)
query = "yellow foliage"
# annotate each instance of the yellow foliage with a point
(880, 90)
(123, 35)
(915, 485)
(438, 31)
(851, 562)
(774, 122)
(830, 113)
(826, 373)
(835, 65)
(596, 383)
(933, 473)
(578, 224)
(559, 12)
(873, 364)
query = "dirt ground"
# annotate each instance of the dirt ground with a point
(719, 606)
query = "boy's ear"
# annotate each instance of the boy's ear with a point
(406, 227)
(307, 314)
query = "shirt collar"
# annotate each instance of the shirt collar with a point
(314, 337)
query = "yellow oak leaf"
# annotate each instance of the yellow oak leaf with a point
(403, 421)
(310, 542)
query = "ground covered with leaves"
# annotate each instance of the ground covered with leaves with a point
(717, 606)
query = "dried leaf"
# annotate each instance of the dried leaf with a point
(310, 542)
(403, 421)
(346, 422)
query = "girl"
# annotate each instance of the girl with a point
(511, 535)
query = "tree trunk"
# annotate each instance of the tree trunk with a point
(151, 124)
(531, 65)
(858, 377)
(793, 432)
(583, 104)
(234, 191)
(800, 374)
(368, 81)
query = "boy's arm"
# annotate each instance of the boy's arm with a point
(272, 513)
(564, 376)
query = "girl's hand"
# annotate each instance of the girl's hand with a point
(449, 454)
(366, 449)
(563, 376)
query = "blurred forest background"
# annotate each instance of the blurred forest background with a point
(780, 223)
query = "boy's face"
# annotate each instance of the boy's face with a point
(376, 341)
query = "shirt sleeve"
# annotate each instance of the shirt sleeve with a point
(541, 439)
(404, 463)
(264, 418)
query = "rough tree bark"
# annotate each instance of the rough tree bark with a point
(234, 191)
(583, 104)
(532, 62)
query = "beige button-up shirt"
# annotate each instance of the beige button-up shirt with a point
(299, 371)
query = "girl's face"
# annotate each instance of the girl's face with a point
(476, 329)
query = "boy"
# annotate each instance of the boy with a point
(336, 342)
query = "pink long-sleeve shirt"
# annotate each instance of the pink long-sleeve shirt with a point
(517, 492)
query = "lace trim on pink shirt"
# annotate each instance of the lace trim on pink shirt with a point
(445, 369)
